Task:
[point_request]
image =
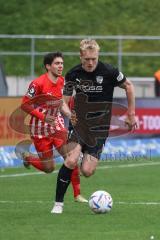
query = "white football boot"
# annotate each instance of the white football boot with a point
(57, 208)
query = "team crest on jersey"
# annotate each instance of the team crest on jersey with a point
(99, 79)
(31, 92)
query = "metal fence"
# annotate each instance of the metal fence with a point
(119, 53)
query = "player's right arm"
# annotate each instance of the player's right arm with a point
(32, 101)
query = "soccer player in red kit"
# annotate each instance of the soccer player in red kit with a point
(43, 101)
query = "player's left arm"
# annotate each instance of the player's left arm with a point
(65, 109)
(68, 113)
(127, 85)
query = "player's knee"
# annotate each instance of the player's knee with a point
(71, 163)
(49, 169)
(88, 172)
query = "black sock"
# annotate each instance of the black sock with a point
(63, 181)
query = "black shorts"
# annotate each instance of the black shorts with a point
(90, 145)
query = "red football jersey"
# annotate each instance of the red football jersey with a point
(44, 98)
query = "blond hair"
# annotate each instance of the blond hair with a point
(89, 44)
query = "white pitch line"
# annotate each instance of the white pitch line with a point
(49, 202)
(24, 202)
(100, 167)
(138, 203)
(23, 174)
(130, 165)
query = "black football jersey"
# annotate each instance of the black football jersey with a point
(93, 93)
(98, 85)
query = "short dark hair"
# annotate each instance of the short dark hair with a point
(48, 58)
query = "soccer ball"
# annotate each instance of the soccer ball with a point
(100, 202)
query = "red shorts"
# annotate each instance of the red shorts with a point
(44, 146)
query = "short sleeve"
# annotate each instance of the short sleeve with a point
(118, 77)
(33, 90)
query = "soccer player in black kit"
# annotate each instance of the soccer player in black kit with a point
(92, 83)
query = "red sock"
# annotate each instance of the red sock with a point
(36, 162)
(75, 180)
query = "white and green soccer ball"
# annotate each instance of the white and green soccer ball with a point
(100, 202)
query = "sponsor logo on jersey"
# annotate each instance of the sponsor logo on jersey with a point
(84, 86)
(120, 77)
(99, 79)
(91, 88)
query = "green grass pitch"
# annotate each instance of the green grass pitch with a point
(26, 202)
